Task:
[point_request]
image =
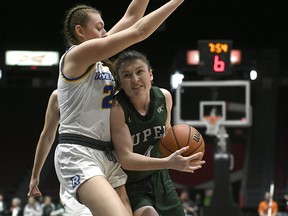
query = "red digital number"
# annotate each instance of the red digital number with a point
(218, 65)
(214, 57)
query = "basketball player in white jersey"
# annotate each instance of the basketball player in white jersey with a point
(84, 163)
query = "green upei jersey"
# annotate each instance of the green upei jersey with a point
(145, 130)
(150, 188)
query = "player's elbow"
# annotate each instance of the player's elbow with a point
(126, 163)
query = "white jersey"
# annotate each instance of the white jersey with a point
(85, 102)
(85, 105)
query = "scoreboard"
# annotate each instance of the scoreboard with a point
(214, 57)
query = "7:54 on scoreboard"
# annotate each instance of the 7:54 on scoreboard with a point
(214, 57)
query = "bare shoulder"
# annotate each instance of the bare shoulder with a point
(117, 116)
(54, 93)
(166, 93)
(53, 101)
(168, 98)
(53, 96)
(116, 107)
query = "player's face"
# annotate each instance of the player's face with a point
(135, 77)
(94, 27)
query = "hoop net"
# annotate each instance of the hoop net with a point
(212, 123)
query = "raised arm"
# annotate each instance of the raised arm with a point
(95, 50)
(134, 12)
(45, 142)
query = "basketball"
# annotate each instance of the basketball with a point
(179, 136)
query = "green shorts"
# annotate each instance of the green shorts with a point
(158, 191)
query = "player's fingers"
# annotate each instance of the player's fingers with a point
(30, 193)
(34, 192)
(180, 151)
(195, 156)
(193, 168)
(197, 162)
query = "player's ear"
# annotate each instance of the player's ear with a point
(78, 31)
(151, 75)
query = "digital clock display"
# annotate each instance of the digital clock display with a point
(214, 57)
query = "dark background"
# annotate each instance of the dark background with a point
(257, 28)
(249, 24)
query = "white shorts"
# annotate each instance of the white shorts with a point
(72, 206)
(74, 164)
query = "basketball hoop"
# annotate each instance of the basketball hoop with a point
(212, 123)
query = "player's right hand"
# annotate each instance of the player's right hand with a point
(33, 188)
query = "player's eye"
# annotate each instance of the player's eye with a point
(140, 72)
(126, 76)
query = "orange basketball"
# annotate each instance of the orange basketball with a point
(179, 136)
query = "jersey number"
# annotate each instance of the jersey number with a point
(107, 100)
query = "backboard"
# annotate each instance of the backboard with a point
(229, 100)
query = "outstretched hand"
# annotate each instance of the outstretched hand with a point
(33, 188)
(185, 164)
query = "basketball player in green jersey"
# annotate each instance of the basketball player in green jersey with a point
(140, 115)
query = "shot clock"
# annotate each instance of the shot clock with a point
(214, 57)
